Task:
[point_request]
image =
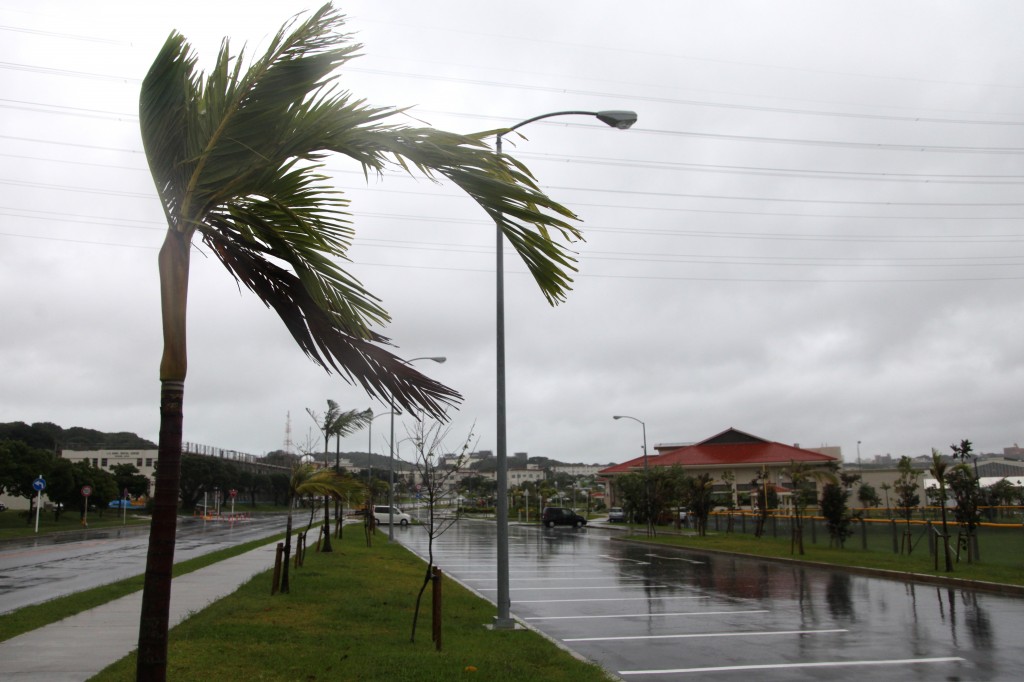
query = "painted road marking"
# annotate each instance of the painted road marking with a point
(553, 601)
(615, 558)
(675, 558)
(650, 615)
(710, 634)
(585, 587)
(781, 666)
(632, 581)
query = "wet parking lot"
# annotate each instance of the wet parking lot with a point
(661, 614)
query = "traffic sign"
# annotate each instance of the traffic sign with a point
(233, 493)
(86, 491)
(39, 484)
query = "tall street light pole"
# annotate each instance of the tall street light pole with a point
(647, 478)
(503, 621)
(391, 461)
(369, 458)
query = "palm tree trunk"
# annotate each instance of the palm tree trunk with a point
(156, 592)
(287, 548)
(327, 524)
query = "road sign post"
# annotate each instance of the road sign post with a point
(233, 494)
(39, 485)
(86, 492)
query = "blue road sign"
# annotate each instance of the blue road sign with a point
(39, 484)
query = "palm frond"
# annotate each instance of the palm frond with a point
(325, 337)
(236, 155)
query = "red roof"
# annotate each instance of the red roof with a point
(729, 448)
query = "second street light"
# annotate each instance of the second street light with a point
(503, 621)
(647, 478)
(391, 464)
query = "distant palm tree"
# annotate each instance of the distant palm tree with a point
(803, 480)
(236, 157)
(336, 423)
(938, 470)
(307, 479)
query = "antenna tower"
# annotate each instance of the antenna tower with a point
(288, 434)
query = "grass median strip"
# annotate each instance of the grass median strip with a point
(36, 616)
(919, 562)
(349, 617)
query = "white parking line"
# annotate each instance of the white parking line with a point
(602, 574)
(563, 588)
(554, 601)
(675, 558)
(649, 615)
(697, 635)
(781, 666)
(631, 581)
(616, 558)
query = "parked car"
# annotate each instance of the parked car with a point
(382, 515)
(560, 516)
(616, 515)
(3, 507)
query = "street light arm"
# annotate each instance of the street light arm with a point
(616, 119)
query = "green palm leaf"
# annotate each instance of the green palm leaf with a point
(236, 156)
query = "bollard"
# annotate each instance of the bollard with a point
(277, 569)
(436, 599)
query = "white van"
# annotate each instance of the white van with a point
(381, 515)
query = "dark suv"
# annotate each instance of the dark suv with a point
(560, 516)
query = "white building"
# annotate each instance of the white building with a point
(529, 475)
(143, 460)
(579, 469)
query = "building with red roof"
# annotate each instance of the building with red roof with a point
(744, 455)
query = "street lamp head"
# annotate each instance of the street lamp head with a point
(439, 359)
(617, 119)
(618, 416)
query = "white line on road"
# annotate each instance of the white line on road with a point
(585, 587)
(604, 576)
(710, 634)
(675, 558)
(616, 558)
(553, 601)
(650, 615)
(779, 666)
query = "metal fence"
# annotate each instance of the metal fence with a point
(1000, 542)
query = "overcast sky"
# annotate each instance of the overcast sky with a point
(814, 233)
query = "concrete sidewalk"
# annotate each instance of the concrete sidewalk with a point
(76, 648)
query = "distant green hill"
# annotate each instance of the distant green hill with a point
(52, 437)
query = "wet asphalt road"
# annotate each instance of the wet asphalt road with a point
(659, 614)
(38, 569)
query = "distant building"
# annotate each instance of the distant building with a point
(578, 469)
(528, 475)
(740, 453)
(143, 460)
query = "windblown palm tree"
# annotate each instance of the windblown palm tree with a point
(236, 157)
(307, 479)
(335, 422)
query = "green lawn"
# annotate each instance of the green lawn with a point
(14, 524)
(349, 617)
(1002, 549)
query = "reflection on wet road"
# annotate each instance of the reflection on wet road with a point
(657, 613)
(39, 569)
